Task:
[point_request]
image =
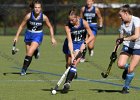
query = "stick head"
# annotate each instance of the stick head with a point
(14, 51)
(104, 75)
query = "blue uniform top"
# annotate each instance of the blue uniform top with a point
(90, 16)
(33, 24)
(78, 34)
(34, 32)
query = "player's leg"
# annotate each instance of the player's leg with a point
(66, 86)
(84, 54)
(133, 63)
(37, 38)
(68, 60)
(130, 75)
(23, 70)
(91, 44)
(30, 48)
(91, 47)
(71, 74)
(66, 52)
(36, 53)
(122, 61)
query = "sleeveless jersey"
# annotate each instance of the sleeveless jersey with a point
(90, 16)
(34, 25)
(78, 34)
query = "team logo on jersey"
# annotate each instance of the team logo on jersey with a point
(78, 34)
(126, 48)
(89, 14)
(35, 23)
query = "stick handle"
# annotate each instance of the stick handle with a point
(66, 72)
(116, 48)
(63, 76)
(14, 44)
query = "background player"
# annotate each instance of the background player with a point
(34, 33)
(91, 13)
(130, 36)
(76, 30)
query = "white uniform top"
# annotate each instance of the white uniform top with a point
(129, 30)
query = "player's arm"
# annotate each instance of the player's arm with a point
(81, 12)
(100, 19)
(91, 36)
(45, 18)
(70, 44)
(135, 36)
(22, 25)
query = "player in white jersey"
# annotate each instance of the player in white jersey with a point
(130, 37)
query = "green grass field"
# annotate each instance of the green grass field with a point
(44, 73)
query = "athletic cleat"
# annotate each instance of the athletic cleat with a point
(82, 60)
(91, 53)
(36, 53)
(66, 87)
(124, 74)
(125, 90)
(23, 72)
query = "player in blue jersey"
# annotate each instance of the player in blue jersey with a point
(76, 30)
(130, 37)
(34, 33)
(91, 14)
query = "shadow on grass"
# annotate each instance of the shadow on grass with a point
(108, 91)
(17, 73)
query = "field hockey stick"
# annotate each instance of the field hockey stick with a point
(64, 75)
(112, 60)
(14, 49)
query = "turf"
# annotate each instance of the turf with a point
(44, 73)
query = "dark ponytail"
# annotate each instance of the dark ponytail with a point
(126, 8)
(31, 5)
(73, 11)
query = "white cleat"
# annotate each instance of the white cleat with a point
(82, 60)
(23, 72)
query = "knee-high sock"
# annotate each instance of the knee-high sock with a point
(126, 66)
(128, 79)
(71, 74)
(27, 62)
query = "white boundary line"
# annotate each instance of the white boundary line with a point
(57, 80)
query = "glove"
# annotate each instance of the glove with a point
(113, 56)
(100, 27)
(119, 40)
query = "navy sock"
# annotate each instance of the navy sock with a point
(27, 62)
(126, 66)
(71, 74)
